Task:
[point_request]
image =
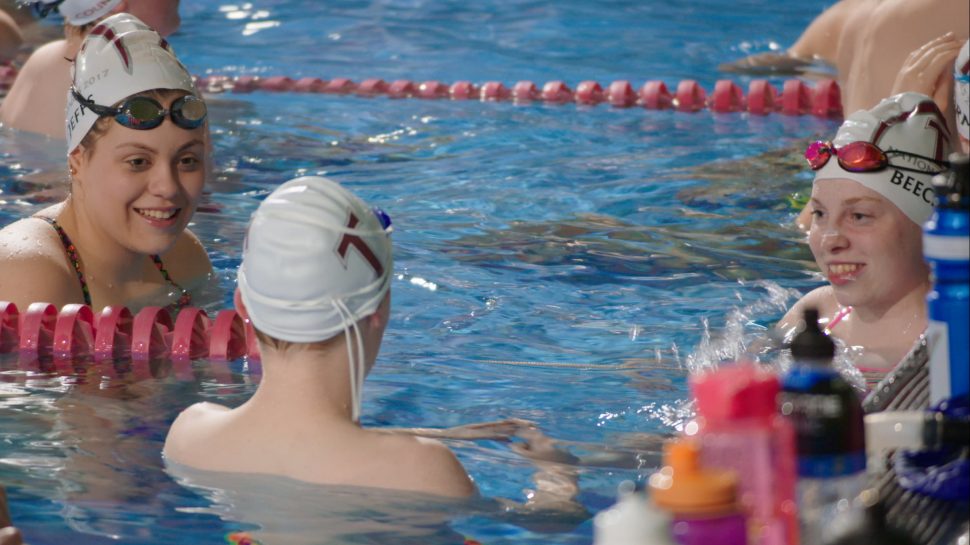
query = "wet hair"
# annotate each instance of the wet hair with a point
(74, 31)
(281, 346)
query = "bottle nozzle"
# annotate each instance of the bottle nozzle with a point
(811, 343)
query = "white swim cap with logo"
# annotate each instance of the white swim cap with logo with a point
(316, 260)
(75, 12)
(82, 12)
(120, 57)
(908, 122)
(961, 90)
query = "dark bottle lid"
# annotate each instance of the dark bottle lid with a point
(953, 186)
(811, 343)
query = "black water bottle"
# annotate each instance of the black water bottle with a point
(827, 416)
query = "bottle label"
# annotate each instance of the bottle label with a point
(831, 466)
(938, 343)
(828, 421)
(953, 248)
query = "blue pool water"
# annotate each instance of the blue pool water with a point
(560, 264)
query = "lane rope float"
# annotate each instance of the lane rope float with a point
(762, 98)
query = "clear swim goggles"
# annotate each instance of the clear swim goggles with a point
(864, 156)
(144, 113)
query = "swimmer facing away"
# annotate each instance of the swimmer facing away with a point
(871, 195)
(137, 143)
(315, 283)
(36, 100)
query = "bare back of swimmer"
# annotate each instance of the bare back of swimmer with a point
(868, 41)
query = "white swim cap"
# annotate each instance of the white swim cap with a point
(312, 248)
(75, 12)
(120, 57)
(910, 123)
(961, 90)
(316, 260)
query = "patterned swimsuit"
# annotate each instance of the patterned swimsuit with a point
(184, 300)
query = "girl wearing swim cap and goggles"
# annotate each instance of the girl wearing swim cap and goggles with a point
(138, 159)
(872, 193)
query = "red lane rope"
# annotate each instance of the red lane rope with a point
(762, 98)
(75, 332)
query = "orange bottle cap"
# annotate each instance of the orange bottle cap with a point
(682, 486)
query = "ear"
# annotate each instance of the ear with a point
(122, 7)
(75, 166)
(379, 317)
(240, 306)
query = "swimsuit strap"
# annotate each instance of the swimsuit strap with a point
(839, 316)
(184, 300)
(72, 256)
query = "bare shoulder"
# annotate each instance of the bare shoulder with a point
(33, 266)
(427, 465)
(38, 96)
(821, 37)
(187, 261)
(187, 433)
(821, 298)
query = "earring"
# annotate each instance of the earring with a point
(72, 170)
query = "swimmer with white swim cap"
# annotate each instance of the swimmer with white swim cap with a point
(315, 282)
(138, 160)
(35, 102)
(871, 195)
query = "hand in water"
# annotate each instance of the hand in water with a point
(8, 534)
(497, 430)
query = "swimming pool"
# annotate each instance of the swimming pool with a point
(560, 264)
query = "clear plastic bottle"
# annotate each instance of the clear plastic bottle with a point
(827, 416)
(633, 520)
(946, 246)
(702, 502)
(739, 428)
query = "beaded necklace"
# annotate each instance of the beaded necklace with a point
(184, 300)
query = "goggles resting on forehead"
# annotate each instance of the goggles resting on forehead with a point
(144, 113)
(864, 156)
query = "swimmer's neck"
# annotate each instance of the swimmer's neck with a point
(102, 256)
(302, 382)
(909, 308)
(72, 44)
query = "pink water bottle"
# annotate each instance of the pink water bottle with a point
(739, 428)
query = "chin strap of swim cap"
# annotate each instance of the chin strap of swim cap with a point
(355, 362)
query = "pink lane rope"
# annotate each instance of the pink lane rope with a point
(762, 98)
(75, 332)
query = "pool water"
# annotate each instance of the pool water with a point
(561, 264)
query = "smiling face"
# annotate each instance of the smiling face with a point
(871, 253)
(141, 188)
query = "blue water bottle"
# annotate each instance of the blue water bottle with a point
(946, 245)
